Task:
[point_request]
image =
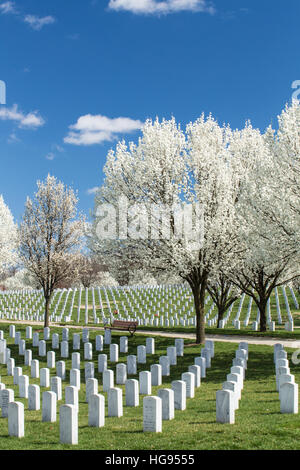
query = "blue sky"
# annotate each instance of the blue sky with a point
(82, 74)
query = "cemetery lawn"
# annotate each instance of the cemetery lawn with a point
(258, 421)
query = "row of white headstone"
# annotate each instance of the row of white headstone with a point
(149, 297)
(32, 392)
(285, 381)
(227, 399)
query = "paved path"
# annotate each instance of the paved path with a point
(288, 343)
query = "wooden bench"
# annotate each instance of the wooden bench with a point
(123, 325)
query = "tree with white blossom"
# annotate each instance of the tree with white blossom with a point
(51, 236)
(183, 183)
(8, 239)
(268, 208)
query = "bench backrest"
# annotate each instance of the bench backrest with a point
(124, 323)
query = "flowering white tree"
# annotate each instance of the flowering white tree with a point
(184, 184)
(268, 208)
(284, 144)
(8, 239)
(51, 235)
(20, 280)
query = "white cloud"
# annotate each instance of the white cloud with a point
(8, 7)
(37, 23)
(158, 7)
(31, 120)
(91, 129)
(92, 191)
(59, 148)
(50, 156)
(34, 21)
(13, 138)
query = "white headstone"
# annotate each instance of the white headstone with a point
(156, 374)
(121, 374)
(42, 348)
(172, 354)
(16, 419)
(99, 343)
(56, 386)
(167, 397)
(88, 351)
(165, 365)
(29, 332)
(196, 370)
(108, 379)
(233, 387)
(76, 341)
(55, 341)
(96, 410)
(179, 344)
(10, 366)
(289, 398)
(12, 331)
(46, 333)
(71, 396)
(85, 335)
(206, 353)
(209, 344)
(145, 382)
(34, 400)
(75, 360)
(235, 378)
(22, 347)
(115, 404)
(114, 353)
(35, 369)
(89, 370)
(45, 377)
(68, 424)
(7, 395)
(28, 357)
(102, 362)
(132, 392)
(107, 336)
(131, 365)
(152, 414)
(179, 388)
(124, 344)
(51, 359)
(17, 337)
(61, 369)
(64, 349)
(49, 400)
(75, 378)
(141, 354)
(65, 334)
(189, 379)
(17, 374)
(225, 406)
(150, 346)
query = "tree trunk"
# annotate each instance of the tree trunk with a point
(220, 315)
(263, 317)
(47, 311)
(199, 301)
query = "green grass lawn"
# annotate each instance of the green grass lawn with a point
(258, 422)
